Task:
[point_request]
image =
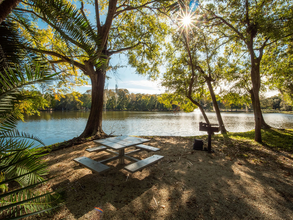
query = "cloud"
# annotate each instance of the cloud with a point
(142, 86)
(134, 86)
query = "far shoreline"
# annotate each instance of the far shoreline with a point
(265, 111)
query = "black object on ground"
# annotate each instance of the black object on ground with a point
(210, 128)
(198, 144)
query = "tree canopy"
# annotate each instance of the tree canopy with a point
(76, 43)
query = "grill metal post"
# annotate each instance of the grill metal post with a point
(210, 129)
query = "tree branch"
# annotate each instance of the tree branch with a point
(288, 35)
(63, 58)
(129, 8)
(56, 61)
(54, 26)
(246, 13)
(106, 27)
(123, 49)
(227, 23)
(98, 17)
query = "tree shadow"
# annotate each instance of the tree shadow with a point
(113, 188)
(186, 184)
(225, 195)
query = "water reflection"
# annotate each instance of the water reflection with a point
(54, 127)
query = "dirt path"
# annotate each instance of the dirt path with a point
(186, 184)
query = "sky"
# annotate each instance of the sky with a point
(125, 78)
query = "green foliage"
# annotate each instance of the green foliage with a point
(275, 103)
(134, 28)
(134, 102)
(278, 68)
(18, 162)
(236, 100)
(31, 105)
(171, 99)
(122, 100)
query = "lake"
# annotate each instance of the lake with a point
(53, 127)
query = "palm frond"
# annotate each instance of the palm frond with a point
(23, 200)
(69, 22)
(8, 123)
(12, 79)
(15, 134)
(18, 161)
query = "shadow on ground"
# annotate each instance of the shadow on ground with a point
(240, 180)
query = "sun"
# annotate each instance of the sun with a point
(186, 20)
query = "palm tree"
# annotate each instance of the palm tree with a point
(19, 162)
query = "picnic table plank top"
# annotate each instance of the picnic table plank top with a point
(121, 142)
(113, 145)
(126, 138)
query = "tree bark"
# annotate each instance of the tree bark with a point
(257, 117)
(6, 7)
(255, 78)
(94, 123)
(218, 113)
(263, 123)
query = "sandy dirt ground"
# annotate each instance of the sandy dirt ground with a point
(238, 181)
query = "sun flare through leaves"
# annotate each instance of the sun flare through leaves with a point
(187, 16)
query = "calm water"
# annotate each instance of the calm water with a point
(53, 127)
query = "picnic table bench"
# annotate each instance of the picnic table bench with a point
(147, 148)
(96, 149)
(92, 164)
(143, 163)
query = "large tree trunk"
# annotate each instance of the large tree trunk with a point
(6, 7)
(257, 117)
(94, 123)
(218, 113)
(263, 123)
(255, 78)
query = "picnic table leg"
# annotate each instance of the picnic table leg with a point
(121, 156)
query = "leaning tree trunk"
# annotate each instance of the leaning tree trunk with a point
(94, 123)
(218, 113)
(200, 108)
(263, 123)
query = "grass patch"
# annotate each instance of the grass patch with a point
(275, 139)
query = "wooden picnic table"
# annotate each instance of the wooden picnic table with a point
(120, 143)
